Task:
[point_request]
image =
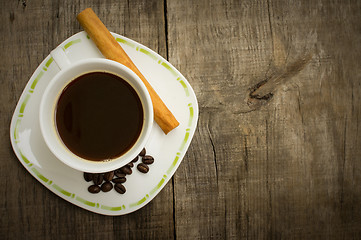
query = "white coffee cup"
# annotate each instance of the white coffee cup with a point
(70, 71)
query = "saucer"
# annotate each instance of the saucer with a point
(167, 150)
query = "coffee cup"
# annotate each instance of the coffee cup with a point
(87, 114)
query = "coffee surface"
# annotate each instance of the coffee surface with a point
(99, 116)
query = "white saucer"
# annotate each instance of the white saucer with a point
(167, 150)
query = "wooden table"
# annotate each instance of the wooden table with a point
(277, 150)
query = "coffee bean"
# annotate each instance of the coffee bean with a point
(148, 159)
(126, 170)
(143, 152)
(94, 189)
(106, 187)
(119, 173)
(120, 188)
(88, 176)
(135, 159)
(108, 176)
(142, 168)
(130, 165)
(97, 178)
(119, 180)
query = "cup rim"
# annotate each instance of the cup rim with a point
(49, 101)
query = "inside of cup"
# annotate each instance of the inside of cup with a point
(99, 116)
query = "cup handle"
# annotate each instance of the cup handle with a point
(60, 58)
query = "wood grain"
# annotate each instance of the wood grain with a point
(286, 166)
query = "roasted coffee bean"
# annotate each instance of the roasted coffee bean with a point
(120, 188)
(143, 152)
(88, 176)
(97, 178)
(108, 176)
(135, 159)
(142, 168)
(106, 187)
(148, 159)
(119, 180)
(130, 165)
(94, 189)
(126, 170)
(119, 173)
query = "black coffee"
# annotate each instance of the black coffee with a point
(99, 116)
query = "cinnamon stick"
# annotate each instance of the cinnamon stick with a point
(111, 49)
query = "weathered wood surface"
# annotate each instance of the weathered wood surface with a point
(273, 157)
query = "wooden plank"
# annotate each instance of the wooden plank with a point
(281, 167)
(29, 31)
